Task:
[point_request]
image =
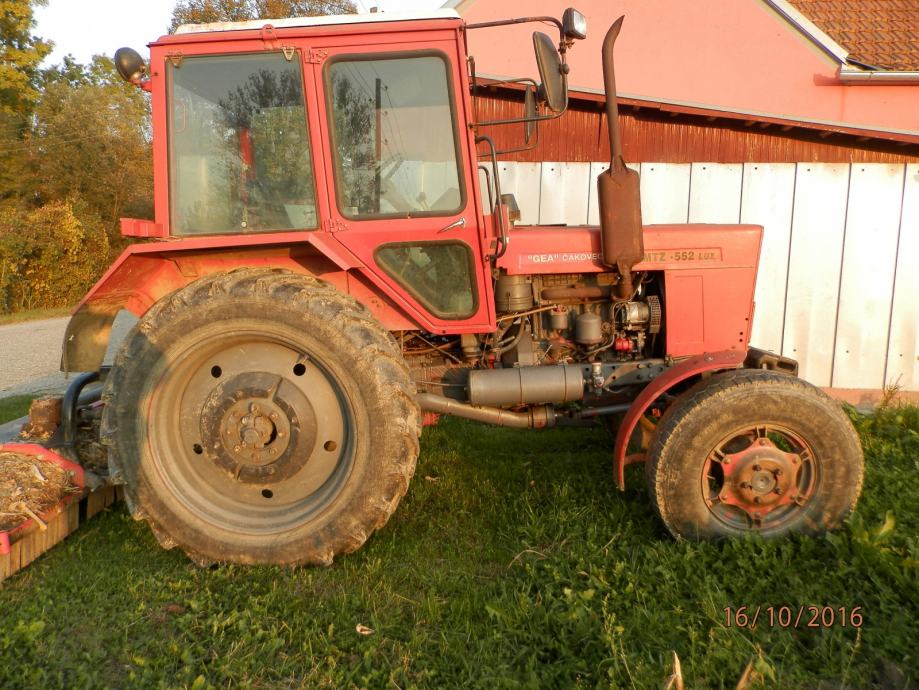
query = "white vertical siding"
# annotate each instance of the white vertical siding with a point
(903, 351)
(768, 195)
(523, 180)
(714, 193)
(664, 193)
(593, 205)
(564, 193)
(838, 285)
(866, 286)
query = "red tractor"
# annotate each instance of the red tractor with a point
(327, 274)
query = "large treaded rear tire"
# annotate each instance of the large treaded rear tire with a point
(739, 425)
(245, 345)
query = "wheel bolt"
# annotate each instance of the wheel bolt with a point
(778, 490)
(745, 485)
(273, 415)
(756, 468)
(237, 448)
(776, 472)
(757, 499)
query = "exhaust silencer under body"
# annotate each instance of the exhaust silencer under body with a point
(526, 385)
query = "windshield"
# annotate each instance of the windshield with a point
(239, 147)
(395, 137)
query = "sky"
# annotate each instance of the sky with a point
(84, 28)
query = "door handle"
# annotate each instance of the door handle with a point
(461, 223)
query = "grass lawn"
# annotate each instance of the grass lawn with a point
(14, 407)
(34, 314)
(513, 562)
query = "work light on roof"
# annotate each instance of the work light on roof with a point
(574, 24)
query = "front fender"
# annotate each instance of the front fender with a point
(687, 368)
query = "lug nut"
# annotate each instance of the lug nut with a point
(778, 490)
(273, 415)
(777, 472)
(757, 499)
(756, 468)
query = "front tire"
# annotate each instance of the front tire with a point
(261, 416)
(752, 451)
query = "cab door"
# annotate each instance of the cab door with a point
(402, 198)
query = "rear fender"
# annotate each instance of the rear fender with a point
(687, 368)
(145, 273)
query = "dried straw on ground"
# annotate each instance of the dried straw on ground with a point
(29, 483)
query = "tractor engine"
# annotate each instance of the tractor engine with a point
(556, 319)
(559, 339)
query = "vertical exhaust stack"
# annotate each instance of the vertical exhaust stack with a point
(621, 241)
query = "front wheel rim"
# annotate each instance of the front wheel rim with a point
(759, 478)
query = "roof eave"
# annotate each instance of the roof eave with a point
(886, 77)
(810, 30)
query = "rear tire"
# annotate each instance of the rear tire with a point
(261, 416)
(752, 451)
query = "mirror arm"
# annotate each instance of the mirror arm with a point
(520, 20)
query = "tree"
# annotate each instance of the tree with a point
(206, 11)
(21, 54)
(91, 141)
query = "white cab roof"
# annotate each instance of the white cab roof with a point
(370, 18)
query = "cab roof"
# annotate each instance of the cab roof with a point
(370, 18)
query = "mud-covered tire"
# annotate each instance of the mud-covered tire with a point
(753, 451)
(261, 416)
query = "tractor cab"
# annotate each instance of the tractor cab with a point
(358, 129)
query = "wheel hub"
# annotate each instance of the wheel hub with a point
(258, 430)
(760, 479)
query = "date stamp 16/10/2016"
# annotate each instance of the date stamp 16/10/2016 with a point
(796, 617)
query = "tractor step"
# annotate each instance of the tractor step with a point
(24, 543)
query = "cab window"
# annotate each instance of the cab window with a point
(239, 151)
(394, 136)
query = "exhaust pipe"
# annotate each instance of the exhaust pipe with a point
(540, 417)
(619, 193)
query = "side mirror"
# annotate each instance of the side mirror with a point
(551, 72)
(529, 112)
(574, 25)
(130, 65)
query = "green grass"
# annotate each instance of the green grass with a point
(34, 314)
(14, 407)
(513, 562)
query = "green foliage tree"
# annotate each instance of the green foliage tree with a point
(205, 11)
(49, 255)
(91, 140)
(21, 54)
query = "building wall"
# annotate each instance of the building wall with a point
(838, 285)
(670, 137)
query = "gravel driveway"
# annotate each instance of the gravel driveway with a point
(30, 354)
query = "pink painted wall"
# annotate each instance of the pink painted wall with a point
(736, 55)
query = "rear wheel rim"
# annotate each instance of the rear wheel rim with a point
(759, 478)
(251, 432)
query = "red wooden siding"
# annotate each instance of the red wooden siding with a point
(652, 135)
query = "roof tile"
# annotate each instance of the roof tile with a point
(882, 33)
